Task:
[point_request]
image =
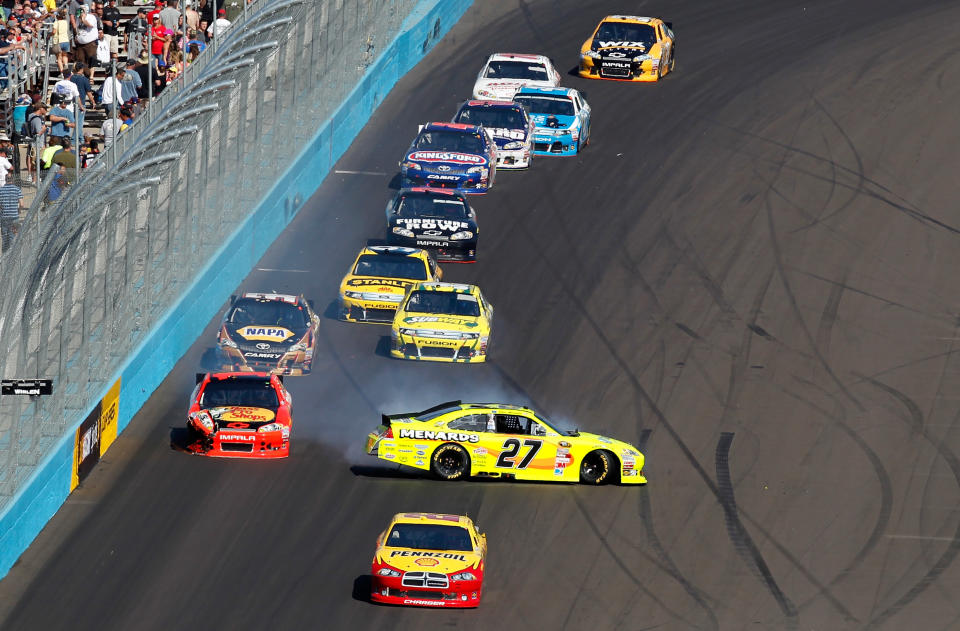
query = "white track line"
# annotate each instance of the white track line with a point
(921, 537)
(360, 172)
(271, 269)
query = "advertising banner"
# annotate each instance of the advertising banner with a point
(95, 435)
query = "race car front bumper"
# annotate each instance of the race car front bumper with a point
(390, 590)
(591, 68)
(466, 182)
(236, 444)
(293, 363)
(445, 250)
(552, 144)
(513, 159)
(438, 349)
(370, 311)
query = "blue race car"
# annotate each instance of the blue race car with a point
(509, 125)
(562, 119)
(450, 155)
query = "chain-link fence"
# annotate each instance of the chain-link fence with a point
(103, 254)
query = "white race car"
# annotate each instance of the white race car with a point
(505, 73)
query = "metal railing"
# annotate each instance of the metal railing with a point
(91, 273)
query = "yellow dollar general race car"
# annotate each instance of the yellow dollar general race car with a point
(629, 48)
(442, 322)
(456, 440)
(378, 279)
(429, 560)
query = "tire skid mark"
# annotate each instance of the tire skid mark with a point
(661, 418)
(795, 307)
(829, 315)
(636, 580)
(883, 477)
(646, 515)
(915, 421)
(742, 542)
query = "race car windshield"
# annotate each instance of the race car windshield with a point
(426, 206)
(516, 70)
(254, 393)
(492, 117)
(443, 302)
(429, 537)
(250, 311)
(557, 106)
(613, 34)
(448, 141)
(389, 266)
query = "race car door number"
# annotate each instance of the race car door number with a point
(511, 447)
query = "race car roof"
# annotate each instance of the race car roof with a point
(559, 91)
(525, 57)
(452, 126)
(509, 104)
(627, 18)
(280, 297)
(431, 518)
(394, 250)
(446, 192)
(460, 288)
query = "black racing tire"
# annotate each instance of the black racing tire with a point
(450, 462)
(597, 467)
(673, 59)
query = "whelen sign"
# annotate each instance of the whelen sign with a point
(31, 387)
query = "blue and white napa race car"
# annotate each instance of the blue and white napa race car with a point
(508, 123)
(561, 117)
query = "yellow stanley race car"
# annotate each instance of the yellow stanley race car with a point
(378, 280)
(456, 440)
(445, 322)
(629, 48)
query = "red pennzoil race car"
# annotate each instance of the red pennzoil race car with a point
(429, 560)
(239, 415)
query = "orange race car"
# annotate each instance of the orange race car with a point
(429, 560)
(629, 48)
(239, 415)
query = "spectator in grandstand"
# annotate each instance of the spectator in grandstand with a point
(233, 9)
(161, 42)
(111, 96)
(90, 153)
(87, 36)
(108, 130)
(67, 88)
(61, 40)
(6, 167)
(170, 16)
(142, 68)
(193, 18)
(6, 47)
(219, 27)
(11, 201)
(203, 32)
(110, 17)
(174, 66)
(134, 34)
(83, 87)
(131, 84)
(196, 40)
(67, 159)
(62, 122)
(127, 115)
(37, 134)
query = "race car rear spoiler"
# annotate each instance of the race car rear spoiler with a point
(386, 418)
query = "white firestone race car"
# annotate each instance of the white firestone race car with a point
(505, 73)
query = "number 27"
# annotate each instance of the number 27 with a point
(511, 447)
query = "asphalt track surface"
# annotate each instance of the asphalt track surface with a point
(751, 272)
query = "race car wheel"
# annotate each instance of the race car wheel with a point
(450, 462)
(673, 58)
(596, 467)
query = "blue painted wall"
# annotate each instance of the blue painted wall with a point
(147, 367)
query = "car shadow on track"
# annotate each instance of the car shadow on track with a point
(397, 472)
(361, 588)
(383, 347)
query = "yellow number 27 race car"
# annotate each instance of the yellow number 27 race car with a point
(629, 48)
(456, 440)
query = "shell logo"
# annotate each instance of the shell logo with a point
(247, 415)
(427, 562)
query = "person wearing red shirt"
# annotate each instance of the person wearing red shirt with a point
(161, 41)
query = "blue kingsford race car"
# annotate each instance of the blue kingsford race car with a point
(450, 155)
(562, 119)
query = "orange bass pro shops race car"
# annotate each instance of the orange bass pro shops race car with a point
(239, 415)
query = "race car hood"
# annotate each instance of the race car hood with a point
(456, 160)
(628, 49)
(503, 135)
(505, 89)
(431, 227)
(374, 285)
(540, 120)
(273, 334)
(446, 561)
(440, 322)
(240, 417)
